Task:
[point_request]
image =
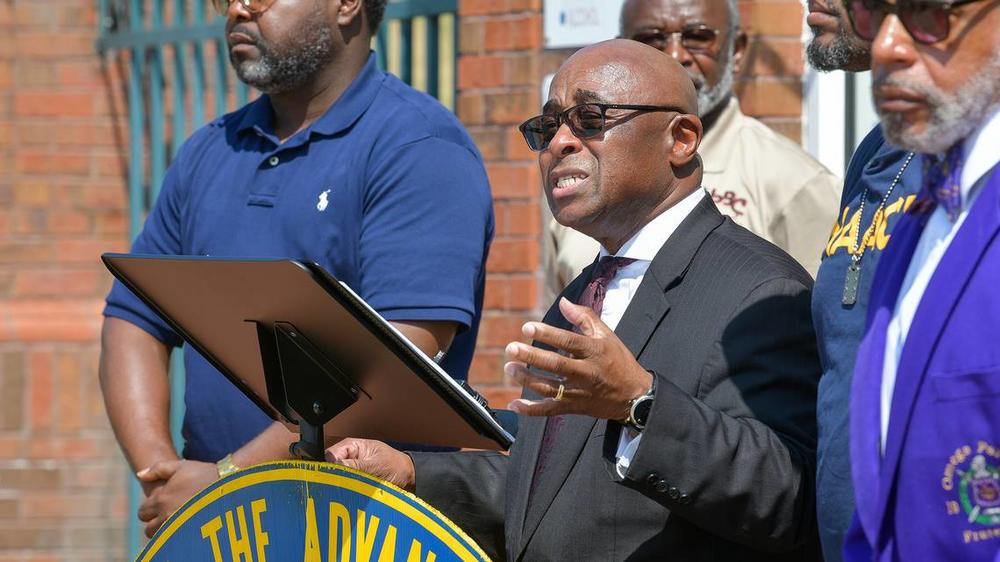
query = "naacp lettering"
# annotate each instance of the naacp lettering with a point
(307, 511)
(845, 231)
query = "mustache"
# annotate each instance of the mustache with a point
(881, 78)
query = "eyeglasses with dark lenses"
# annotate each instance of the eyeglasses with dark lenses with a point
(694, 38)
(926, 22)
(586, 121)
(252, 6)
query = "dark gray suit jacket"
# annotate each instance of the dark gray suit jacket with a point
(725, 467)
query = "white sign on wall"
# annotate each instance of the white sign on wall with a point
(575, 23)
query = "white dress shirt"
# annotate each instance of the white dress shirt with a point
(642, 247)
(981, 155)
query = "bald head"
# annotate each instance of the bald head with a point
(632, 71)
(623, 139)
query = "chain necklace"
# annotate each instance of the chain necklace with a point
(853, 278)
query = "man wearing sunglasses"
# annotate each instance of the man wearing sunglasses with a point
(925, 418)
(669, 414)
(338, 163)
(882, 180)
(762, 180)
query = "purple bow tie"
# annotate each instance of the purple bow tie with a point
(942, 180)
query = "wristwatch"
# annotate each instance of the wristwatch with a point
(639, 408)
(226, 466)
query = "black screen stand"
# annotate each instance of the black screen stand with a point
(302, 384)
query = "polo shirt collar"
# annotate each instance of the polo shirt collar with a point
(342, 114)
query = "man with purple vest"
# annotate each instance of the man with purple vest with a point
(925, 445)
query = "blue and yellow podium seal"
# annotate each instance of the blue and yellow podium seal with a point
(309, 511)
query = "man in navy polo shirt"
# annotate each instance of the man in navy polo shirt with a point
(339, 163)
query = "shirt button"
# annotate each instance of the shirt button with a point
(684, 499)
(662, 486)
(652, 479)
(273, 161)
(673, 493)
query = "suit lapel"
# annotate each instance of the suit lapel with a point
(642, 316)
(529, 439)
(866, 386)
(943, 291)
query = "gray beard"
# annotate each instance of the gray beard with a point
(283, 67)
(953, 116)
(845, 51)
(710, 98)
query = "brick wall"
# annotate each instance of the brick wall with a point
(62, 203)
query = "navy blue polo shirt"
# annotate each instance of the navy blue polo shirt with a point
(386, 191)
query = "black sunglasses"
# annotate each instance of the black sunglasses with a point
(694, 38)
(586, 120)
(927, 22)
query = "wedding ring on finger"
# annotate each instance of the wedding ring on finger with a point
(559, 393)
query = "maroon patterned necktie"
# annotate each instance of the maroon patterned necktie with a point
(592, 296)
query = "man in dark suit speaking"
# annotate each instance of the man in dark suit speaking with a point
(670, 413)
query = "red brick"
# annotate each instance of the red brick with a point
(778, 57)
(489, 141)
(41, 390)
(480, 7)
(497, 330)
(781, 18)
(486, 368)
(506, 292)
(85, 74)
(69, 391)
(32, 193)
(480, 72)
(518, 219)
(772, 98)
(513, 256)
(471, 36)
(50, 320)
(505, 34)
(514, 180)
(68, 221)
(6, 76)
(45, 163)
(57, 282)
(85, 251)
(471, 108)
(524, 5)
(13, 385)
(516, 148)
(67, 44)
(511, 108)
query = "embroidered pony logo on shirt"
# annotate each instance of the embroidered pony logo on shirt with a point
(323, 201)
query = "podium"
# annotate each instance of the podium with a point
(316, 512)
(310, 352)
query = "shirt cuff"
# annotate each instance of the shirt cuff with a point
(628, 444)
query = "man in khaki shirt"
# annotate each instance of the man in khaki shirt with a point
(761, 179)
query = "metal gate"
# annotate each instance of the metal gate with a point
(176, 74)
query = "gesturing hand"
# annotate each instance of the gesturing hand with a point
(181, 479)
(375, 458)
(598, 373)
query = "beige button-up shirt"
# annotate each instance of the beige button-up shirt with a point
(760, 178)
